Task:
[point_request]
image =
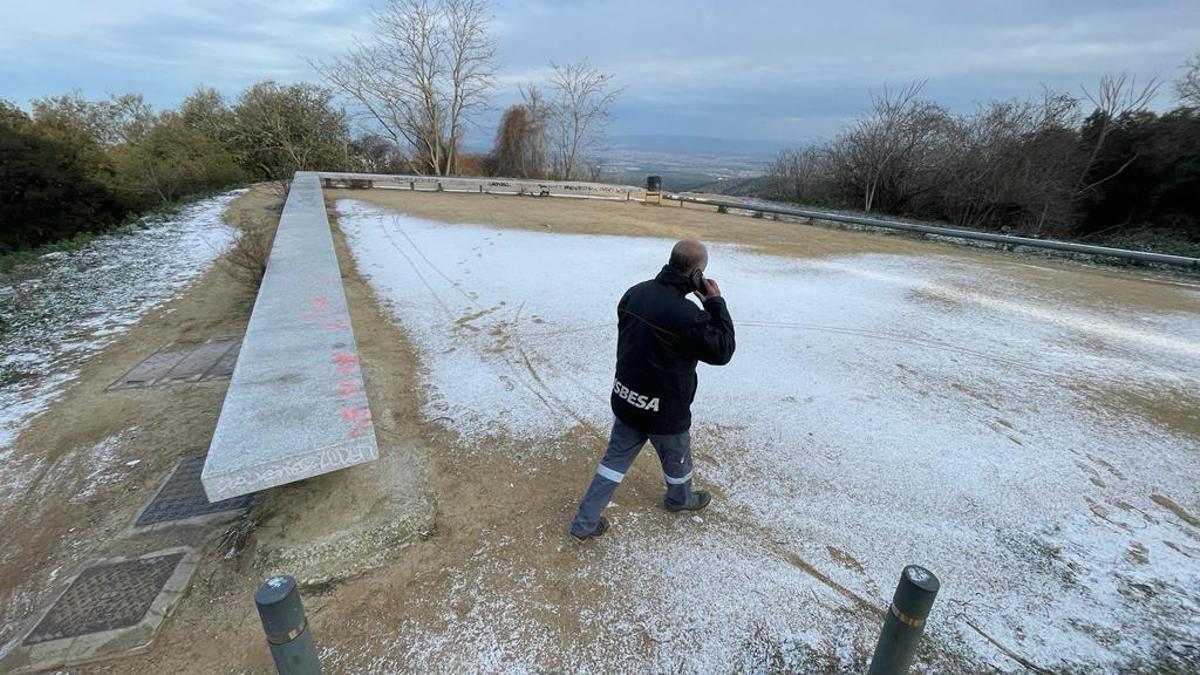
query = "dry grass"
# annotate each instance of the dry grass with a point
(246, 261)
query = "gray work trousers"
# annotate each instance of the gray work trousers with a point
(674, 452)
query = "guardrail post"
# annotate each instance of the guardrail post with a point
(904, 621)
(283, 619)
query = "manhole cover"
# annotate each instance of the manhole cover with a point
(184, 361)
(182, 496)
(106, 597)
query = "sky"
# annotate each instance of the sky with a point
(774, 72)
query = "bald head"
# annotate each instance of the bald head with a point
(689, 255)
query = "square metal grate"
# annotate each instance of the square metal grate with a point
(106, 597)
(184, 361)
(182, 497)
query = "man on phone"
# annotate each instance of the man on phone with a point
(661, 337)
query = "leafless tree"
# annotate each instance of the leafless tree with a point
(429, 65)
(1116, 95)
(801, 175)
(1010, 164)
(1188, 84)
(510, 154)
(538, 114)
(886, 155)
(582, 95)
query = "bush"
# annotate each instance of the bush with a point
(247, 260)
(46, 194)
(173, 161)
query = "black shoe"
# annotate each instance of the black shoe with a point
(601, 528)
(700, 499)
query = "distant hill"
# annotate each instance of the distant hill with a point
(684, 162)
(677, 144)
(751, 186)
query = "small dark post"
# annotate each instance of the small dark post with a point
(283, 619)
(904, 621)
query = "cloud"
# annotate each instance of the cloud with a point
(753, 69)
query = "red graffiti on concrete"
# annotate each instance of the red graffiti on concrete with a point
(359, 419)
(319, 307)
(346, 362)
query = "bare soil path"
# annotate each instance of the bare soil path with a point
(501, 516)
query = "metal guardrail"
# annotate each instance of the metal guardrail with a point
(491, 185)
(575, 188)
(1088, 249)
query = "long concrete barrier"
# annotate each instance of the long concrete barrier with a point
(488, 185)
(296, 406)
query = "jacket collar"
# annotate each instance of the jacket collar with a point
(672, 277)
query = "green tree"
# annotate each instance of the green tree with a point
(45, 194)
(207, 111)
(118, 119)
(279, 130)
(173, 160)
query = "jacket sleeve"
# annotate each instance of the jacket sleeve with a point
(710, 333)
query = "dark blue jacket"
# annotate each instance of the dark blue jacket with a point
(661, 336)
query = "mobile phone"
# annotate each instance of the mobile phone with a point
(698, 285)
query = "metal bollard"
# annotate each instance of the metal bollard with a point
(904, 621)
(283, 619)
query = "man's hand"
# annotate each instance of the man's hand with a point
(711, 290)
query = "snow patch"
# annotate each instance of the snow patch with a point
(881, 411)
(71, 304)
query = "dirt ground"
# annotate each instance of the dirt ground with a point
(52, 528)
(511, 523)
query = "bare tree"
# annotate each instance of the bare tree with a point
(1188, 84)
(1115, 96)
(886, 154)
(801, 175)
(472, 57)
(511, 153)
(1010, 164)
(582, 96)
(429, 65)
(538, 114)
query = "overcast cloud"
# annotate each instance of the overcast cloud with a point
(787, 71)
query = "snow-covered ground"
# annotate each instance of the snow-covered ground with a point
(880, 410)
(68, 305)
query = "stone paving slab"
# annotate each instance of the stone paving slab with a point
(114, 606)
(181, 500)
(183, 361)
(296, 406)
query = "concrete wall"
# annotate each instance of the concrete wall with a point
(296, 406)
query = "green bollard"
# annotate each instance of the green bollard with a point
(283, 619)
(904, 621)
